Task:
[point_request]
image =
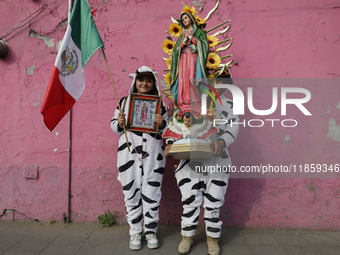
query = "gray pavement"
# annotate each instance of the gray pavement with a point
(27, 238)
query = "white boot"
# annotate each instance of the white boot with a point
(152, 241)
(135, 242)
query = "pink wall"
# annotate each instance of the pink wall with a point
(271, 39)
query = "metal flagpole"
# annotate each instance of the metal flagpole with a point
(70, 4)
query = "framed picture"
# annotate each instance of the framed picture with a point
(142, 113)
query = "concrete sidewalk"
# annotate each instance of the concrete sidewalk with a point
(23, 238)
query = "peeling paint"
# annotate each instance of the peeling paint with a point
(55, 149)
(328, 110)
(48, 41)
(199, 5)
(58, 45)
(7, 211)
(30, 70)
(15, 215)
(338, 106)
(227, 216)
(333, 130)
(286, 140)
(312, 188)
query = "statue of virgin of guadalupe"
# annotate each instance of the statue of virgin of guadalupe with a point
(188, 66)
(192, 62)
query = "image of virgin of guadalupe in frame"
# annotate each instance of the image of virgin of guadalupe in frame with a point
(142, 112)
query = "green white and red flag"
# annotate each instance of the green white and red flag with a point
(67, 82)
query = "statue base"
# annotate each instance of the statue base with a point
(191, 149)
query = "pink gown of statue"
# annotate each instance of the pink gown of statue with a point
(188, 99)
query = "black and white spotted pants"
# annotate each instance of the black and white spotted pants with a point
(142, 195)
(195, 189)
(141, 180)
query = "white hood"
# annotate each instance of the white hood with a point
(144, 69)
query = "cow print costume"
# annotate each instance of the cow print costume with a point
(210, 188)
(140, 170)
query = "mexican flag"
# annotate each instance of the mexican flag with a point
(67, 82)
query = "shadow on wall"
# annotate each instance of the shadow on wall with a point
(243, 193)
(241, 197)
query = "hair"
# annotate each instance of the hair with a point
(188, 115)
(190, 17)
(225, 75)
(154, 90)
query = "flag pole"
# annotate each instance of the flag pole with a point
(70, 2)
(114, 87)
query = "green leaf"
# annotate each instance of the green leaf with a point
(108, 218)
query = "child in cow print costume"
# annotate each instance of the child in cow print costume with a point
(207, 188)
(141, 170)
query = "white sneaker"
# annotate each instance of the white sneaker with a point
(152, 241)
(135, 242)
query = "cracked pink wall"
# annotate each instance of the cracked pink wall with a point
(271, 39)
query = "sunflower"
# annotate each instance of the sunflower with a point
(168, 46)
(175, 30)
(199, 20)
(167, 79)
(168, 62)
(213, 60)
(189, 9)
(212, 40)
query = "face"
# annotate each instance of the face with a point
(144, 84)
(186, 21)
(187, 121)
